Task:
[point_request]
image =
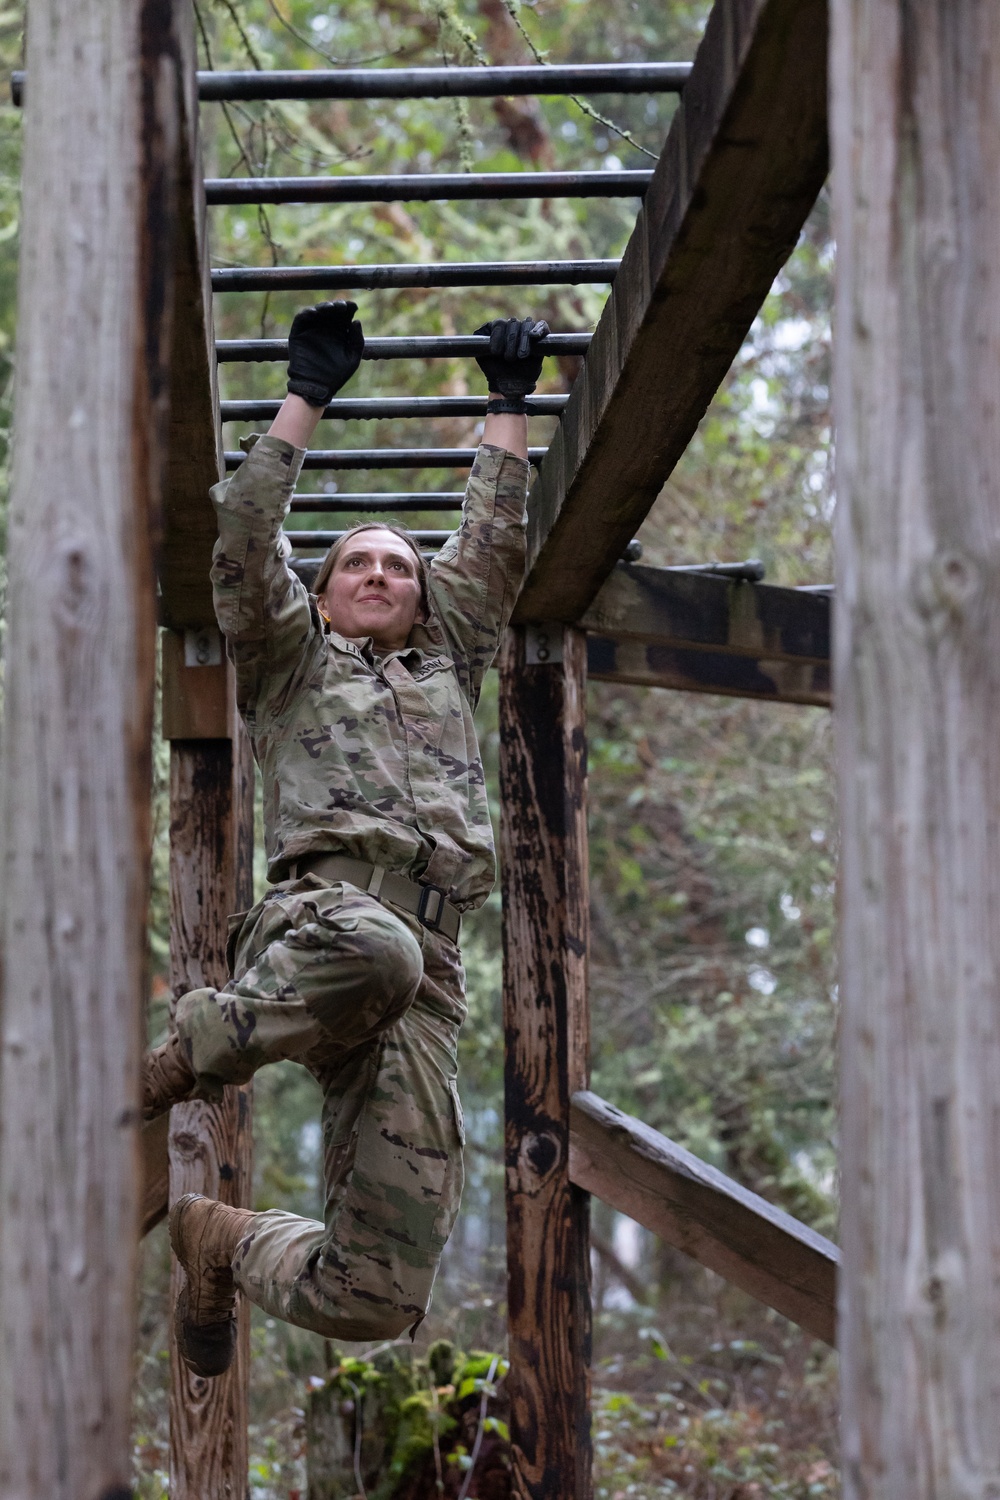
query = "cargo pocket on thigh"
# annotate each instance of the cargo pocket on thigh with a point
(459, 1112)
(454, 1174)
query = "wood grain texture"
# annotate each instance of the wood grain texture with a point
(154, 1174)
(744, 160)
(657, 627)
(93, 333)
(702, 612)
(698, 1210)
(211, 1146)
(543, 838)
(645, 665)
(195, 454)
(916, 120)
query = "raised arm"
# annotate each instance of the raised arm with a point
(475, 579)
(262, 608)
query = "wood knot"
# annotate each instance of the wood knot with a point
(947, 586)
(539, 1154)
(76, 592)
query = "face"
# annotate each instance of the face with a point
(374, 590)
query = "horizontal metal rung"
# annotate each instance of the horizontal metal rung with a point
(751, 571)
(260, 351)
(435, 83)
(387, 458)
(302, 539)
(426, 187)
(409, 500)
(436, 273)
(390, 407)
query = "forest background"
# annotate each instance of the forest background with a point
(712, 820)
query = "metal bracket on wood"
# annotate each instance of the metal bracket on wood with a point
(198, 701)
(203, 648)
(543, 644)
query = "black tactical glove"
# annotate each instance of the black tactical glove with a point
(513, 362)
(324, 350)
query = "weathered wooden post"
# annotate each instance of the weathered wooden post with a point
(102, 104)
(211, 1146)
(211, 816)
(916, 131)
(543, 849)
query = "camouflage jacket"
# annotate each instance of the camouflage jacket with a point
(376, 757)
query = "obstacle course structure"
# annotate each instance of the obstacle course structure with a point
(745, 158)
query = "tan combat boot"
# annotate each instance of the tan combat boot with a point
(167, 1078)
(204, 1235)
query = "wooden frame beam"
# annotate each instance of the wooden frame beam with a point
(704, 1213)
(916, 120)
(697, 632)
(98, 214)
(743, 163)
(210, 1145)
(543, 843)
(195, 441)
(644, 665)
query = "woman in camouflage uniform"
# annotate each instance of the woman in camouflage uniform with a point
(359, 704)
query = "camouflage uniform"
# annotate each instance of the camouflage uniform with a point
(377, 758)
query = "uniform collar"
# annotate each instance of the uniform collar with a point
(425, 640)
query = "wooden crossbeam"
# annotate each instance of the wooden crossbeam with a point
(744, 161)
(639, 664)
(704, 1213)
(660, 627)
(195, 446)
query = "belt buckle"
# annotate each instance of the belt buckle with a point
(430, 917)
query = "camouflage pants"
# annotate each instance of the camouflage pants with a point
(371, 1003)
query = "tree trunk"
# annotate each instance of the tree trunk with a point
(543, 838)
(916, 128)
(92, 403)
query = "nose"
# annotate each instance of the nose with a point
(376, 574)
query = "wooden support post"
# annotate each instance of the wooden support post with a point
(211, 1146)
(543, 775)
(916, 129)
(93, 332)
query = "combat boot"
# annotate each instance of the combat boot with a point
(204, 1235)
(167, 1078)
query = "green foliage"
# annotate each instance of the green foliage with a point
(392, 1419)
(651, 1449)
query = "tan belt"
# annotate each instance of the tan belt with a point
(428, 903)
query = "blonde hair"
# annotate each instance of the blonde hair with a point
(330, 560)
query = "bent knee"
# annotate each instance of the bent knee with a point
(398, 961)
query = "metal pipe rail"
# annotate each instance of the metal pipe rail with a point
(750, 571)
(436, 273)
(386, 458)
(434, 83)
(406, 500)
(426, 187)
(262, 351)
(387, 408)
(304, 539)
